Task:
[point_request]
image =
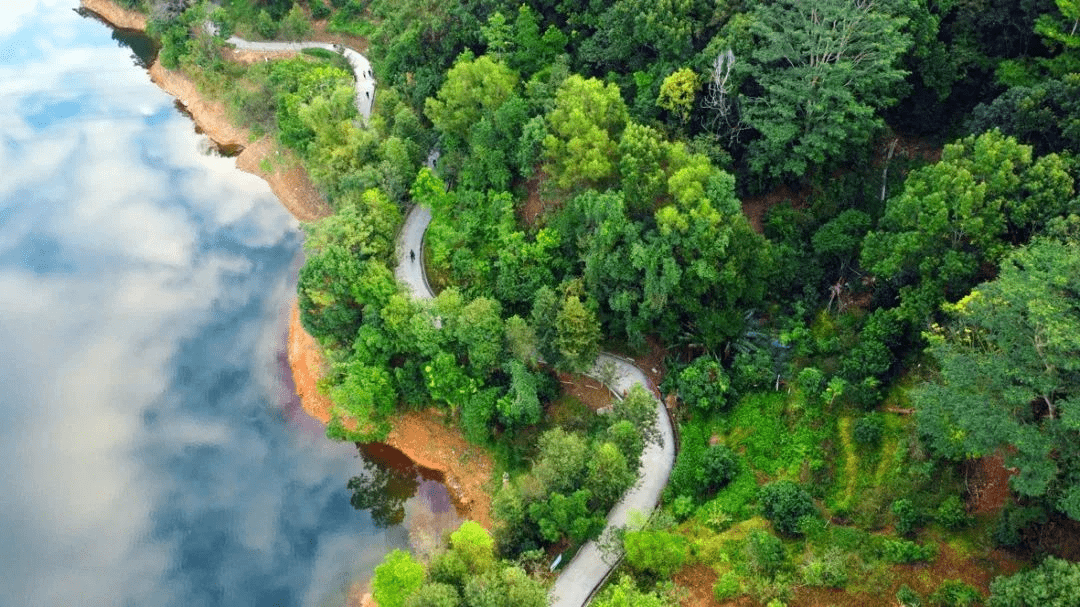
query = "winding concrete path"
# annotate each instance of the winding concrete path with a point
(580, 579)
(361, 67)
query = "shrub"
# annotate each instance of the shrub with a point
(765, 553)
(726, 587)
(655, 552)
(1013, 520)
(907, 597)
(719, 466)
(868, 430)
(784, 503)
(951, 513)
(903, 552)
(828, 570)
(685, 475)
(954, 593)
(906, 516)
(865, 394)
(703, 384)
(319, 10)
(1054, 583)
(812, 381)
(682, 507)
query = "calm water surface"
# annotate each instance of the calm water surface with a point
(151, 449)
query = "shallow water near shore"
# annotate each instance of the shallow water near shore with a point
(153, 450)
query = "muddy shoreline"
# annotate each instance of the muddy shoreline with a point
(466, 469)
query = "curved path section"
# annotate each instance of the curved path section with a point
(361, 67)
(580, 579)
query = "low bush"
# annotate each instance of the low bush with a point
(907, 597)
(954, 593)
(726, 587)
(828, 570)
(868, 430)
(906, 516)
(718, 467)
(765, 554)
(951, 513)
(784, 503)
(902, 552)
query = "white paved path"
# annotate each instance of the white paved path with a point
(578, 580)
(361, 67)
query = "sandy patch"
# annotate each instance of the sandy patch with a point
(465, 467)
(116, 15)
(305, 358)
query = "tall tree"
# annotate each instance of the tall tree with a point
(960, 214)
(474, 87)
(585, 126)
(1010, 374)
(396, 578)
(819, 72)
(578, 335)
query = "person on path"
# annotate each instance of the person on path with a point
(412, 255)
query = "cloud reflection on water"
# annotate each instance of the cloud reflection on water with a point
(143, 451)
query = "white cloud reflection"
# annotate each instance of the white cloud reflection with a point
(121, 452)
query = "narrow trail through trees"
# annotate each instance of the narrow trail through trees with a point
(580, 579)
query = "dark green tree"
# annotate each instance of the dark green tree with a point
(821, 72)
(1054, 583)
(785, 503)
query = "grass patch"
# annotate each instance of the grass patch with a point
(341, 23)
(851, 465)
(777, 433)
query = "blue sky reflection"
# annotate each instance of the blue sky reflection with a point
(144, 453)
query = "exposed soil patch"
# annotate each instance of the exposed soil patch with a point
(247, 57)
(305, 358)
(988, 484)
(534, 205)
(652, 361)
(755, 207)
(118, 16)
(287, 178)
(423, 438)
(589, 391)
(465, 467)
(698, 580)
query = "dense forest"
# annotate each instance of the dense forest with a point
(851, 227)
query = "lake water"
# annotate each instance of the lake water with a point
(152, 451)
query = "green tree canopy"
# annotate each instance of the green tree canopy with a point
(1010, 374)
(1054, 583)
(957, 215)
(473, 88)
(397, 577)
(585, 127)
(577, 336)
(823, 70)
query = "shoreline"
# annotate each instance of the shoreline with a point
(427, 442)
